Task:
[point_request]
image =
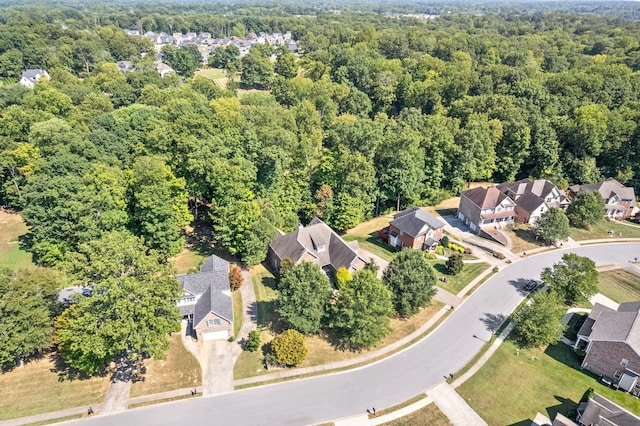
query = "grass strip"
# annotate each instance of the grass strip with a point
(400, 406)
(160, 401)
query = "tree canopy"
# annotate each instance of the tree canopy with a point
(539, 323)
(573, 280)
(586, 210)
(411, 280)
(552, 226)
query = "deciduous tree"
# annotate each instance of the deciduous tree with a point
(539, 323)
(411, 280)
(586, 210)
(574, 279)
(552, 226)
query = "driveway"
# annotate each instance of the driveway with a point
(382, 384)
(367, 255)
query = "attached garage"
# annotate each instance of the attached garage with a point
(216, 335)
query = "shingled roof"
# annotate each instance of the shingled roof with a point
(415, 221)
(598, 410)
(485, 198)
(212, 285)
(607, 189)
(317, 243)
(622, 325)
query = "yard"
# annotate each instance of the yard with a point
(619, 285)
(179, 370)
(40, 387)
(320, 350)
(522, 238)
(601, 231)
(211, 73)
(366, 234)
(547, 381)
(12, 227)
(429, 415)
(455, 283)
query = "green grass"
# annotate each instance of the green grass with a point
(429, 415)
(212, 73)
(455, 283)
(516, 384)
(601, 230)
(58, 420)
(12, 227)
(400, 406)
(619, 285)
(373, 244)
(237, 312)
(179, 370)
(576, 321)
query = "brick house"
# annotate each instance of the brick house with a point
(486, 208)
(206, 302)
(611, 341)
(619, 200)
(534, 197)
(415, 228)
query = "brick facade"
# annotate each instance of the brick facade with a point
(604, 358)
(202, 326)
(407, 241)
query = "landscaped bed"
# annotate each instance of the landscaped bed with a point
(547, 381)
(619, 285)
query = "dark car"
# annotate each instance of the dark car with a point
(531, 285)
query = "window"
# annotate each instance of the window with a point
(617, 375)
(217, 322)
(637, 386)
(209, 323)
(624, 362)
(213, 322)
(188, 299)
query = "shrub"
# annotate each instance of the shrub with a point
(461, 250)
(235, 278)
(454, 264)
(498, 255)
(496, 269)
(253, 341)
(445, 241)
(289, 348)
(439, 250)
(430, 256)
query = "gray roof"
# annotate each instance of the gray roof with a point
(485, 198)
(317, 243)
(415, 221)
(622, 325)
(562, 420)
(600, 411)
(531, 194)
(212, 285)
(33, 74)
(607, 189)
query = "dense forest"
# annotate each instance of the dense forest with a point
(378, 111)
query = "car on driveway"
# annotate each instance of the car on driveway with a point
(531, 285)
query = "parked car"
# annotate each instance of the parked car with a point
(531, 285)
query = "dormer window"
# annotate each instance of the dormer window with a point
(321, 248)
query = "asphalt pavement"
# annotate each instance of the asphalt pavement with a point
(381, 384)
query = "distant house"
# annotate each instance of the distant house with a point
(611, 341)
(598, 410)
(619, 200)
(414, 228)
(486, 208)
(163, 69)
(31, 77)
(534, 197)
(124, 66)
(316, 243)
(206, 302)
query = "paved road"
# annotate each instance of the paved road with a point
(380, 385)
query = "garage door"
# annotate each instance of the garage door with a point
(213, 335)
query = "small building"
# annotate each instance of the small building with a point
(611, 341)
(30, 77)
(316, 243)
(206, 301)
(619, 200)
(415, 228)
(486, 208)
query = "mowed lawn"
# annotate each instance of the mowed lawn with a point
(366, 234)
(455, 283)
(601, 230)
(12, 227)
(179, 370)
(211, 73)
(516, 384)
(619, 285)
(429, 415)
(38, 388)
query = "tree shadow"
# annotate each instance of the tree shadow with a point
(375, 239)
(199, 238)
(566, 406)
(567, 356)
(519, 285)
(527, 235)
(493, 321)
(67, 373)
(526, 422)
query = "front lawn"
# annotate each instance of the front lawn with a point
(523, 238)
(179, 370)
(12, 227)
(211, 73)
(41, 386)
(619, 285)
(601, 230)
(455, 283)
(429, 415)
(547, 381)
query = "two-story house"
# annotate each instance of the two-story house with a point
(619, 200)
(486, 208)
(534, 197)
(31, 77)
(414, 228)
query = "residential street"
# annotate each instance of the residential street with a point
(382, 384)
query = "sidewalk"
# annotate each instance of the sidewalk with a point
(454, 407)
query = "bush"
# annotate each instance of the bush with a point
(445, 241)
(496, 269)
(289, 348)
(439, 250)
(454, 264)
(253, 341)
(235, 278)
(430, 256)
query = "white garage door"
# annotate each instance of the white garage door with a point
(213, 335)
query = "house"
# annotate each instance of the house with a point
(619, 200)
(316, 243)
(598, 410)
(31, 77)
(415, 228)
(611, 341)
(534, 197)
(206, 301)
(124, 66)
(486, 208)
(163, 69)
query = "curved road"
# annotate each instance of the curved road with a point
(382, 384)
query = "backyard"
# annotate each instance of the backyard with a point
(547, 381)
(12, 227)
(619, 285)
(366, 234)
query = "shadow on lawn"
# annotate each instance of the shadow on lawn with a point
(566, 406)
(527, 235)
(67, 373)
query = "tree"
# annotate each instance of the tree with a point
(411, 280)
(253, 341)
(131, 311)
(342, 276)
(304, 294)
(574, 279)
(256, 70)
(235, 278)
(289, 348)
(360, 316)
(539, 323)
(28, 306)
(586, 210)
(286, 65)
(454, 264)
(552, 226)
